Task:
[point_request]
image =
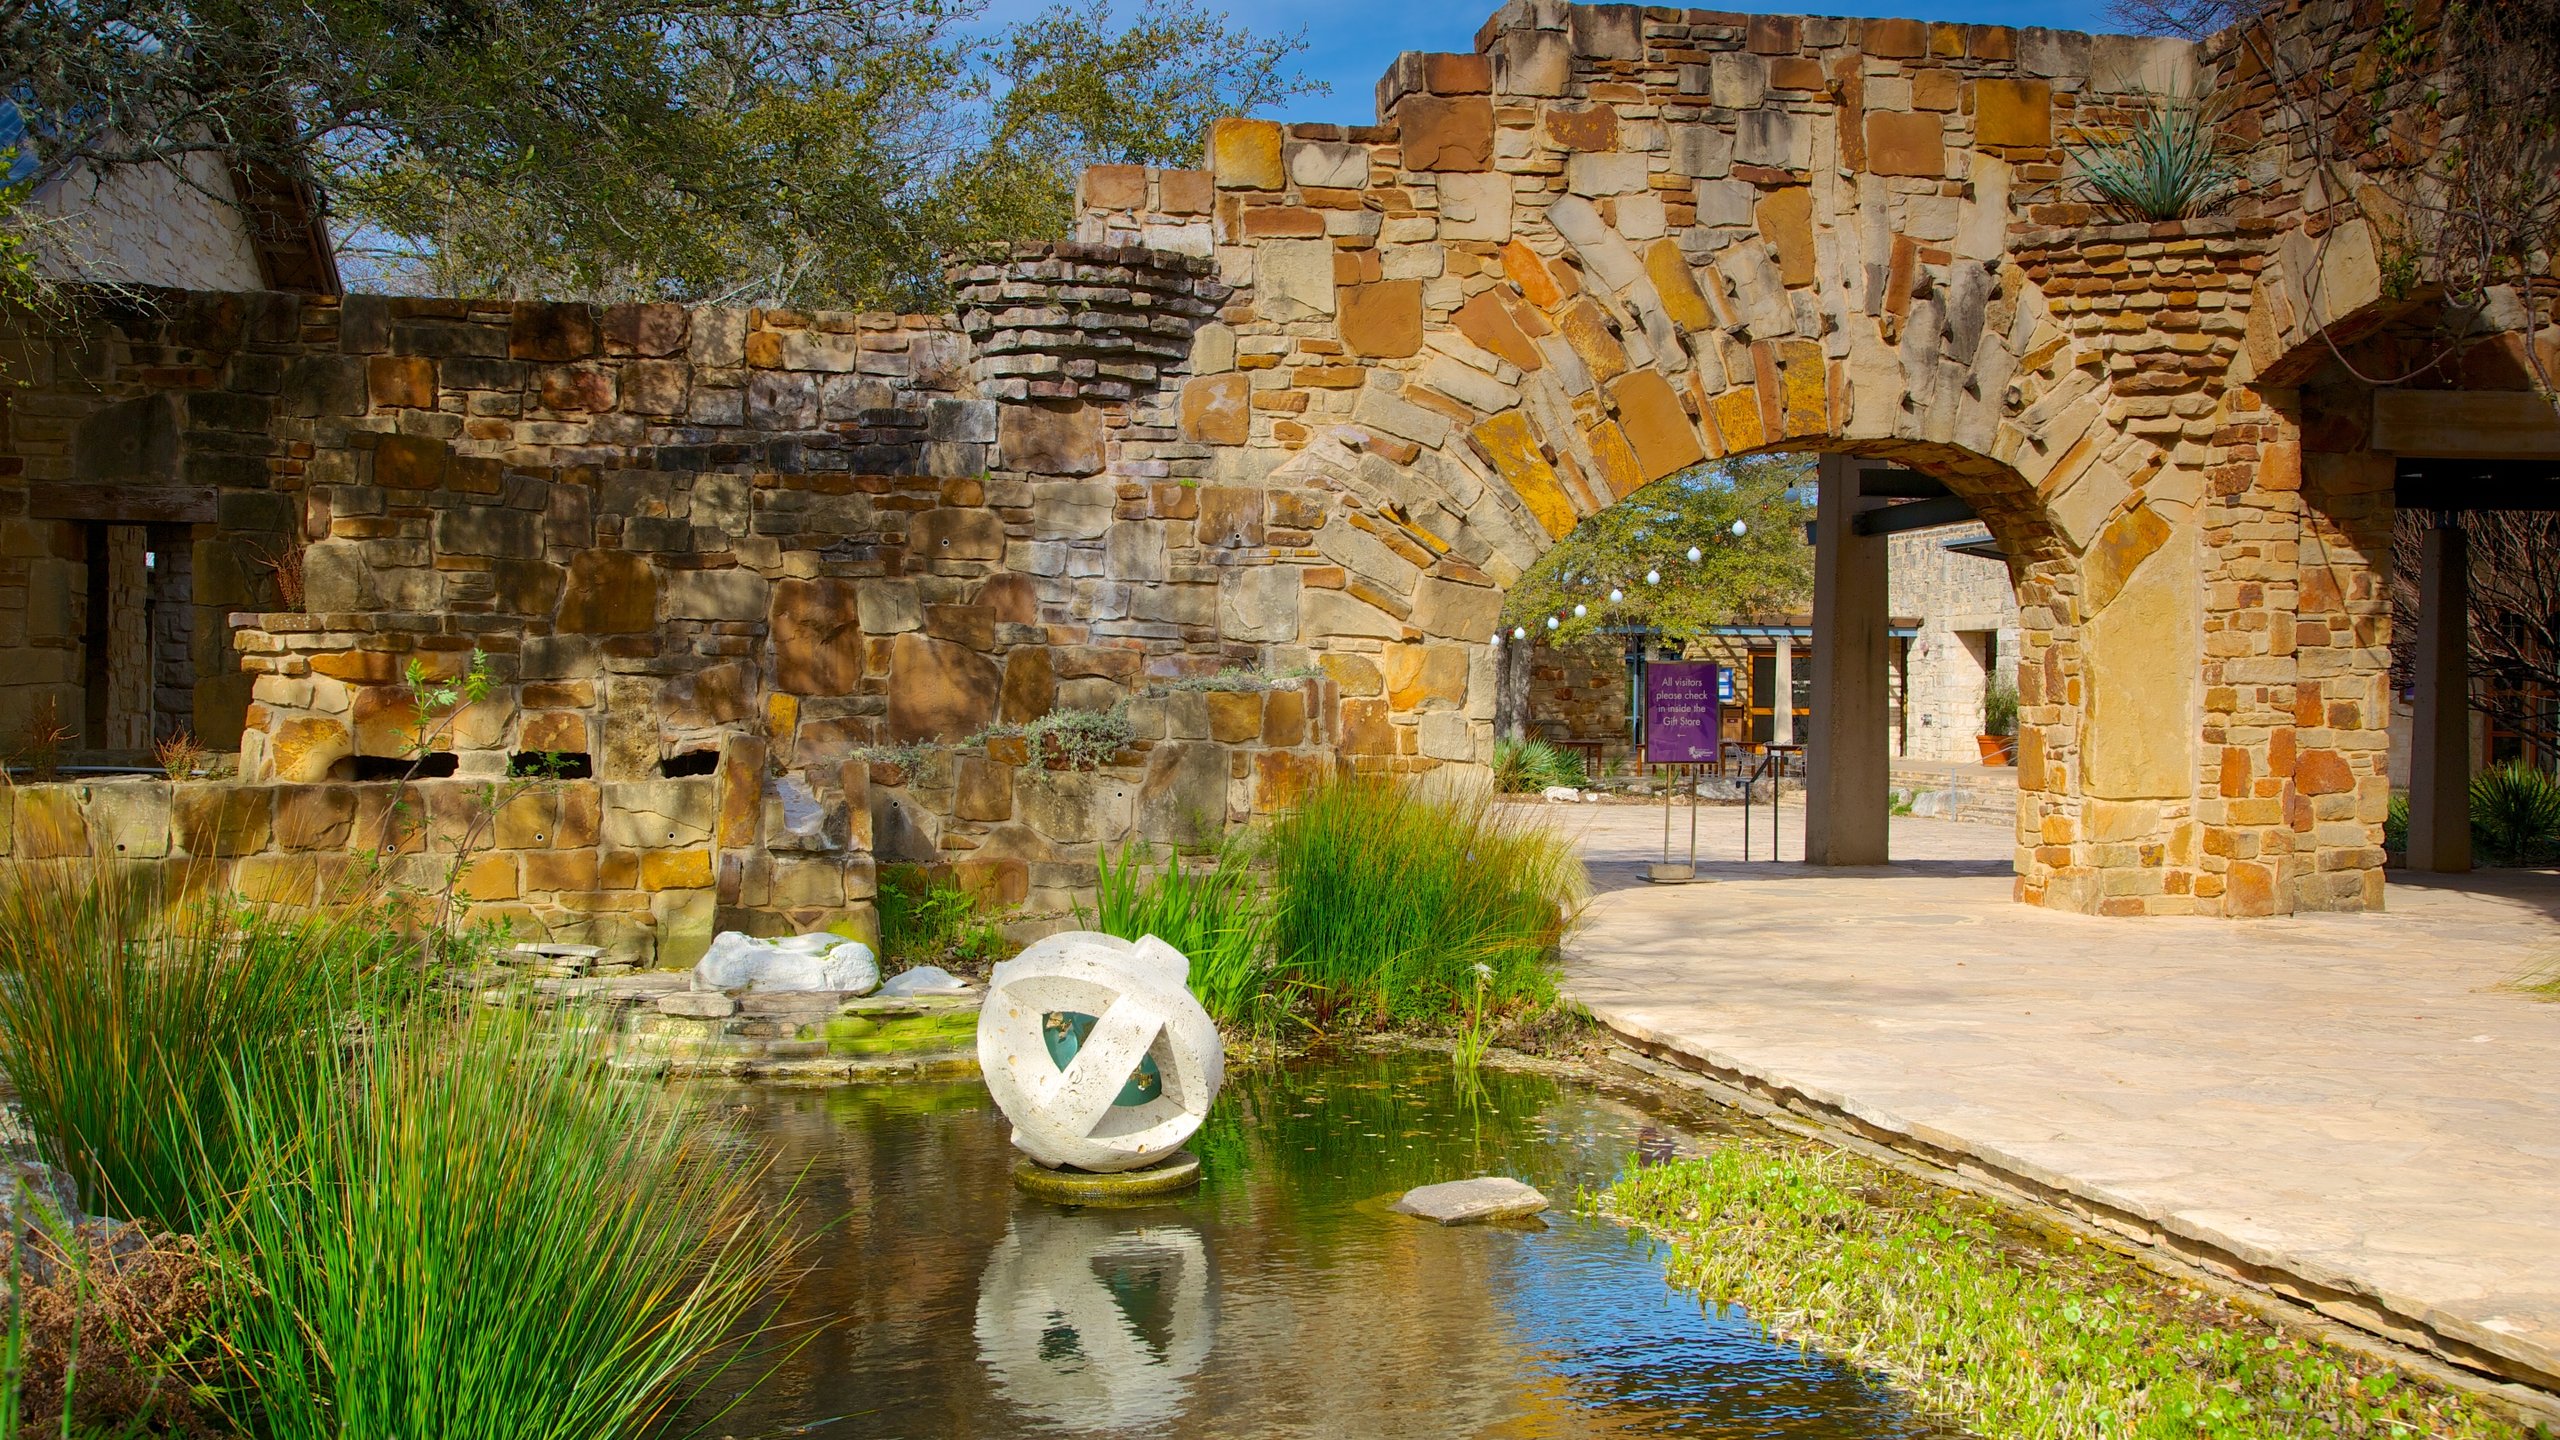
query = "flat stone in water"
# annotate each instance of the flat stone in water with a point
(1472, 1202)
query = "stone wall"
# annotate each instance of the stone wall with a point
(1308, 410)
(1968, 628)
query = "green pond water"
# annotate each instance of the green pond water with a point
(1280, 1298)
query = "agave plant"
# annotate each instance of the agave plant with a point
(1521, 765)
(2515, 814)
(2171, 163)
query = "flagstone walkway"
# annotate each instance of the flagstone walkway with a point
(2358, 1110)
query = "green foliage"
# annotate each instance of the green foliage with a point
(1386, 898)
(127, 1005)
(2000, 1335)
(1766, 569)
(1071, 739)
(2171, 163)
(777, 152)
(1528, 766)
(2395, 823)
(468, 1229)
(2000, 706)
(1215, 914)
(926, 918)
(2515, 814)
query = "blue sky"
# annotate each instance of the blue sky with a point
(1351, 42)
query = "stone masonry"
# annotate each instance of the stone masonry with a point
(1303, 413)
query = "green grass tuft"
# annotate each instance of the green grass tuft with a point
(1386, 899)
(1216, 914)
(2515, 814)
(2008, 1338)
(469, 1230)
(1528, 766)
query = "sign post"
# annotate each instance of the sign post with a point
(1683, 730)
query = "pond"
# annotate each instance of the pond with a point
(1281, 1297)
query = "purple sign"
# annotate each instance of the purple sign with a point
(1681, 725)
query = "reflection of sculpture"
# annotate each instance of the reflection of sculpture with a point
(1096, 1052)
(1092, 1327)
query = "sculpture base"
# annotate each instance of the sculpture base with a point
(1176, 1172)
(1673, 872)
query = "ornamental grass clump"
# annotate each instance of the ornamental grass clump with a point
(469, 1229)
(1215, 913)
(128, 998)
(1386, 897)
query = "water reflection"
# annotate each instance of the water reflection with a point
(1280, 1299)
(1091, 1322)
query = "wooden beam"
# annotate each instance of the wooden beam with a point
(121, 504)
(2466, 424)
(1912, 515)
(1899, 485)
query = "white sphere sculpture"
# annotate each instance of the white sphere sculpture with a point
(1096, 1051)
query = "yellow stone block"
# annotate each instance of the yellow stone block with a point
(1620, 473)
(1678, 286)
(675, 869)
(1508, 442)
(1736, 414)
(1245, 155)
(1804, 390)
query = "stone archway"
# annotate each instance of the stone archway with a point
(1613, 244)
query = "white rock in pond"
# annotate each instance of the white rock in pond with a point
(822, 961)
(1472, 1202)
(925, 980)
(1148, 1042)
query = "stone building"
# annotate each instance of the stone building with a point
(1305, 412)
(1965, 621)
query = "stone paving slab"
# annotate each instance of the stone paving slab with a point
(2354, 1109)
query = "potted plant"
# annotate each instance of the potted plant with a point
(1999, 737)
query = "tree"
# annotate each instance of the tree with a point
(797, 152)
(2513, 620)
(1766, 568)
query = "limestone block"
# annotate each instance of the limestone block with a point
(1702, 152)
(302, 750)
(1471, 1202)
(939, 691)
(715, 595)
(1132, 1084)
(657, 814)
(1454, 609)
(1906, 144)
(1293, 279)
(1048, 439)
(2140, 738)
(1446, 132)
(1260, 605)
(609, 592)
(955, 534)
(2014, 112)
(817, 636)
(1779, 139)
(1656, 426)
(1476, 206)
(1217, 409)
(1532, 62)
(1737, 81)
(1612, 173)
(1245, 155)
(1330, 165)
(129, 819)
(1446, 735)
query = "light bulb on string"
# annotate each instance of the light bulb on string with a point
(1616, 594)
(1696, 554)
(1519, 632)
(1553, 622)
(1581, 610)
(1740, 529)
(1653, 577)
(1497, 639)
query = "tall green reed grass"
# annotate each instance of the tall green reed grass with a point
(1217, 915)
(1386, 897)
(470, 1230)
(127, 999)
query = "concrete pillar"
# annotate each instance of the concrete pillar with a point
(1848, 805)
(1782, 706)
(2440, 742)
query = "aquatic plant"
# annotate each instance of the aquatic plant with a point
(2003, 1336)
(128, 1000)
(1216, 914)
(2515, 814)
(1386, 897)
(1532, 765)
(468, 1229)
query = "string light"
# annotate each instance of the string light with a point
(1519, 632)
(1581, 610)
(1740, 529)
(1553, 622)
(1653, 577)
(1695, 554)
(1616, 594)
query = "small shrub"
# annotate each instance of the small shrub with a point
(469, 1229)
(2000, 706)
(1529, 766)
(1216, 915)
(1386, 899)
(2515, 814)
(180, 756)
(40, 744)
(2171, 163)
(927, 918)
(2395, 824)
(112, 1332)
(1071, 739)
